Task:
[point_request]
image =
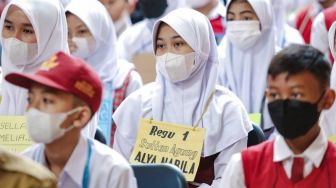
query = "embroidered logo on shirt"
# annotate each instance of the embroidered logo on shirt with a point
(85, 87)
(49, 64)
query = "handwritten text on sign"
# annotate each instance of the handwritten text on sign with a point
(13, 133)
(161, 142)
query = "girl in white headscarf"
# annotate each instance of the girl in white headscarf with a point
(92, 37)
(137, 38)
(246, 51)
(285, 34)
(46, 21)
(328, 117)
(181, 92)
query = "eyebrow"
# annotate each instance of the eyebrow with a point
(24, 24)
(243, 12)
(173, 37)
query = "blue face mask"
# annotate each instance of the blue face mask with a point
(153, 8)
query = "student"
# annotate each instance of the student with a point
(328, 117)
(305, 17)
(29, 35)
(63, 95)
(137, 39)
(320, 28)
(301, 156)
(92, 37)
(19, 172)
(246, 50)
(119, 11)
(180, 93)
(215, 11)
(285, 34)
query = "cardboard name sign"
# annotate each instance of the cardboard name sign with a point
(13, 133)
(162, 142)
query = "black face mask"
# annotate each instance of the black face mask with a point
(293, 118)
(153, 8)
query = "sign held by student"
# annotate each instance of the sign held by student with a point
(13, 133)
(162, 142)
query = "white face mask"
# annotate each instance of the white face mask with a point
(197, 3)
(243, 34)
(85, 47)
(19, 53)
(176, 67)
(44, 127)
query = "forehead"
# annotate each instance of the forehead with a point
(165, 31)
(37, 88)
(73, 20)
(305, 80)
(16, 15)
(239, 6)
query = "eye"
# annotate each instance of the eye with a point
(160, 46)
(8, 27)
(29, 100)
(179, 44)
(296, 95)
(272, 95)
(47, 101)
(28, 31)
(247, 18)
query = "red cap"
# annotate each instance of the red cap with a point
(66, 73)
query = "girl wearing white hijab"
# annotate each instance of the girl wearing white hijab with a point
(92, 37)
(285, 34)
(40, 19)
(328, 117)
(137, 38)
(181, 91)
(246, 50)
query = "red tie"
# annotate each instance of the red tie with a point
(297, 169)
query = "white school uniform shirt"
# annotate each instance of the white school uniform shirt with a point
(107, 167)
(319, 35)
(137, 39)
(226, 121)
(233, 176)
(328, 117)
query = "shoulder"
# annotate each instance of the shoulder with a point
(109, 158)
(225, 97)
(133, 32)
(26, 170)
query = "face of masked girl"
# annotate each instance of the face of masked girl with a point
(175, 58)
(18, 35)
(241, 11)
(17, 25)
(80, 39)
(243, 27)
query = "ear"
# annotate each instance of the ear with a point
(82, 117)
(328, 99)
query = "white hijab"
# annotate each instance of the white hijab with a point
(104, 59)
(49, 23)
(244, 72)
(184, 102)
(328, 117)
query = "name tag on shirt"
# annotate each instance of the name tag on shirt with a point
(163, 142)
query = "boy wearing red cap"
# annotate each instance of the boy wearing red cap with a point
(63, 95)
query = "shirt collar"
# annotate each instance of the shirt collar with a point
(74, 168)
(315, 152)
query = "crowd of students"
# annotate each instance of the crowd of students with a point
(67, 67)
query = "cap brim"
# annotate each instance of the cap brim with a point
(26, 80)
